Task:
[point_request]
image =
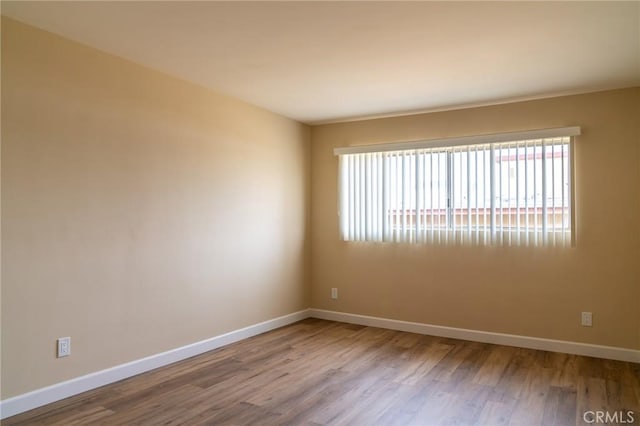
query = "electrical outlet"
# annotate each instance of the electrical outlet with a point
(334, 293)
(64, 346)
(587, 319)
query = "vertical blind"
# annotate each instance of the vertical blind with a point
(506, 193)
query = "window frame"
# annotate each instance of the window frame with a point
(500, 140)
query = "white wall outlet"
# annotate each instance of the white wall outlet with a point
(334, 293)
(587, 319)
(64, 346)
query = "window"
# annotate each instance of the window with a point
(506, 189)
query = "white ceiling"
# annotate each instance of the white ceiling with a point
(323, 61)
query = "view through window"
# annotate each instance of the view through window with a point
(512, 193)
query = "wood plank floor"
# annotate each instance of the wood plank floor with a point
(319, 372)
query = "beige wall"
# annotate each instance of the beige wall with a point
(527, 291)
(139, 212)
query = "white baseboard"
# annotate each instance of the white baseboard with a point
(598, 351)
(21, 403)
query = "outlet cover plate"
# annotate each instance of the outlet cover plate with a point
(64, 346)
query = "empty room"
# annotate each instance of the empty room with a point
(320, 213)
